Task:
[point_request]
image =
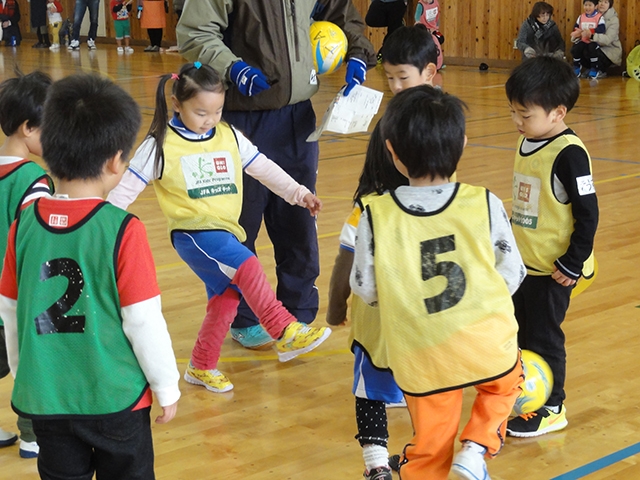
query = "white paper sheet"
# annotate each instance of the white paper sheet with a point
(351, 114)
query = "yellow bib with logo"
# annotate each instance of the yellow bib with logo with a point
(446, 316)
(542, 226)
(201, 184)
(365, 319)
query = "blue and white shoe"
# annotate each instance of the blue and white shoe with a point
(29, 449)
(469, 463)
(7, 438)
(254, 337)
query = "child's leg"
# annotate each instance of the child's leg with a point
(221, 310)
(261, 298)
(6, 438)
(119, 42)
(435, 420)
(577, 52)
(62, 453)
(371, 418)
(592, 51)
(491, 409)
(114, 447)
(28, 442)
(123, 446)
(540, 306)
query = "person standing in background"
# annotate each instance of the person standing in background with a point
(152, 15)
(78, 16)
(38, 10)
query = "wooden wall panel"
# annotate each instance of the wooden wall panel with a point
(482, 30)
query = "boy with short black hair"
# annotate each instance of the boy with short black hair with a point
(21, 182)
(554, 219)
(409, 58)
(79, 277)
(440, 261)
(410, 62)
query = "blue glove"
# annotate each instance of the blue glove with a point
(250, 80)
(356, 74)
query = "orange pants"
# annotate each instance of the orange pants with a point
(436, 418)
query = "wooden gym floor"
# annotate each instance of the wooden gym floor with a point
(296, 420)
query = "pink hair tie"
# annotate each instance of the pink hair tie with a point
(175, 76)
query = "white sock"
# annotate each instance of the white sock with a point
(554, 409)
(475, 447)
(375, 456)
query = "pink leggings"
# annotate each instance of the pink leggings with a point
(221, 310)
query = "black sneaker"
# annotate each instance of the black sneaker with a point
(537, 423)
(379, 473)
(394, 462)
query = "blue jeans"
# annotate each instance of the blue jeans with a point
(94, 9)
(116, 446)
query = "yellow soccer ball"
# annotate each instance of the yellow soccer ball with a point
(329, 44)
(537, 385)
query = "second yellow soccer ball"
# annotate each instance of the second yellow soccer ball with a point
(537, 385)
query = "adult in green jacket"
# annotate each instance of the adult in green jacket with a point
(263, 50)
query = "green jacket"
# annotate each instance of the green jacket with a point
(271, 35)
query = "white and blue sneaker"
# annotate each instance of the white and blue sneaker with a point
(29, 449)
(7, 438)
(254, 337)
(469, 463)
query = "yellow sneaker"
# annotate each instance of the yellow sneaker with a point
(537, 423)
(299, 338)
(212, 380)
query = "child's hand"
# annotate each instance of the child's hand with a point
(312, 203)
(576, 34)
(561, 278)
(168, 413)
(586, 34)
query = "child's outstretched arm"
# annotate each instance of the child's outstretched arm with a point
(275, 178)
(141, 171)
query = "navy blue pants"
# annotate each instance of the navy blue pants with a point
(118, 447)
(540, 306)
(281, 135)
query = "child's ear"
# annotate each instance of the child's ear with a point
(429, 72)
(558, 113)
(26, 130)
(175, 104)
(391, 150)
(115, 165)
